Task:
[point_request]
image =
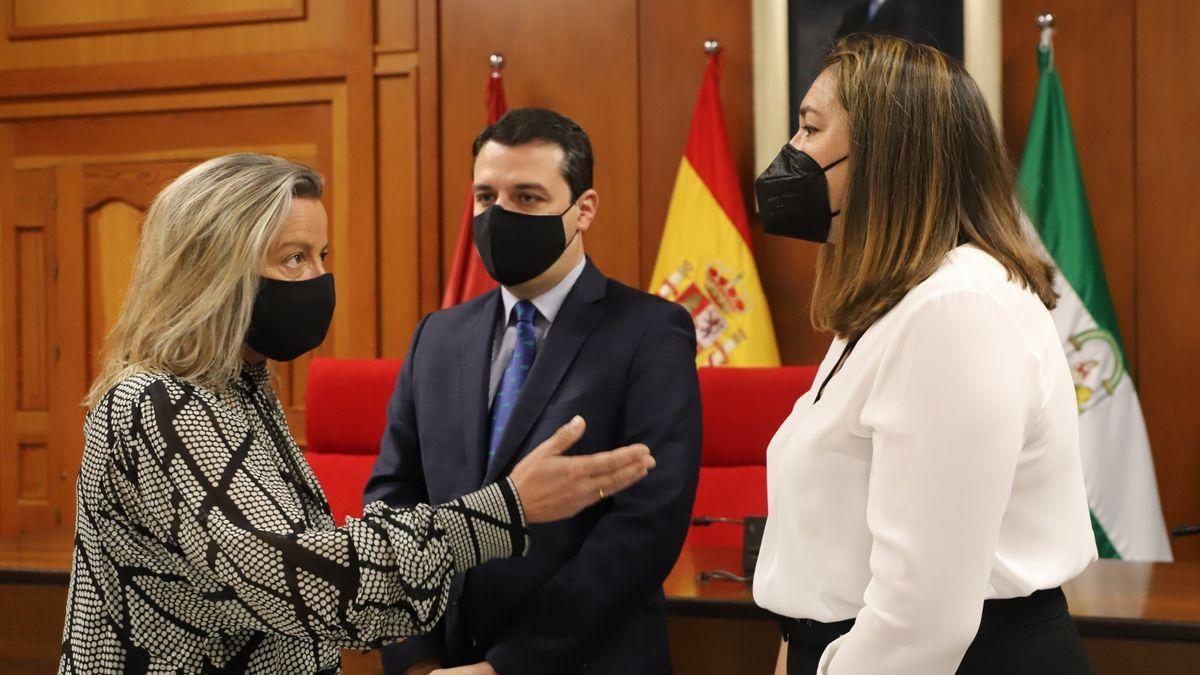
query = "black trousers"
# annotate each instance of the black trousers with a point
(1018, 636)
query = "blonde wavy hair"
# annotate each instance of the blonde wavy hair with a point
(197, 270)
(928, 172)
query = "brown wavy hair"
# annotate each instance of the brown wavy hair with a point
(928, 172)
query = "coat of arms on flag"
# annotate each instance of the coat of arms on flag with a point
(705, 263)
(713, 298)
(1115, 448)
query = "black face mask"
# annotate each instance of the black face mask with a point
(291, 317)
(516, 247)
(793, 196)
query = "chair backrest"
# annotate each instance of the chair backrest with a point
(743, 407)
(346, 401)
(346, 404)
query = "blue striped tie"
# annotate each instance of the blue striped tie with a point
(514, 374)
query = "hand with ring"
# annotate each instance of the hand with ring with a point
(553, 486)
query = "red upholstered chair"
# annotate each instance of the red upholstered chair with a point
(346, 403)
(346, 411)
(743, 407)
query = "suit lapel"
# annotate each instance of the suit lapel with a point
(476, 369)
(579, 314)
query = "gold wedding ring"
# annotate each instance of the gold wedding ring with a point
(601, 494)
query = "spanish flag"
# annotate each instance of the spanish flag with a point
(705, 262)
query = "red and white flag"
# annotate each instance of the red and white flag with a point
(468, 278)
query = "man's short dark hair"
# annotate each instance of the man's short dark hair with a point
(526, 125)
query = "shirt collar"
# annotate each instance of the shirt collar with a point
(547, 303)
(253, 376)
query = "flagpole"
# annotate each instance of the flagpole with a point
(712, 47)
(1046, 23)
(496, 61)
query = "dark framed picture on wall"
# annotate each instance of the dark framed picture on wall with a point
(814, 25)
(792, 38)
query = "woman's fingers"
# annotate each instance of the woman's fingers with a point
(612, 471)
(551, 486)
(566, 436)
(613, 483)
(611, 461)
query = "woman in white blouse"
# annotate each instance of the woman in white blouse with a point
(926, 497)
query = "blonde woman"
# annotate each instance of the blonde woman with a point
(926, 498)
(203, 541)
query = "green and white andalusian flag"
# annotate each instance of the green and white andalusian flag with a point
(1121, 488)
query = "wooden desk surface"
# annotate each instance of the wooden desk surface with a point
(1111, 598)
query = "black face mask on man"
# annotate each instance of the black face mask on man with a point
(793, 196)
(291, 317)
(516, 247)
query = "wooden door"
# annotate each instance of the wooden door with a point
(81, 186)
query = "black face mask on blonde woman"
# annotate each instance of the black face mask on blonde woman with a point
(291, 317)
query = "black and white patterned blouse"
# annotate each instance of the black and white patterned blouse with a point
(205, 544)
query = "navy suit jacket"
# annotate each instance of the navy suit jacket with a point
(589, 592)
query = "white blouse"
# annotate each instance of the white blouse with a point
(939, 468)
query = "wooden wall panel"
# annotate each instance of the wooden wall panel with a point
(9, 333)
(68, 319)
(31, 639)
(134, 183)
(33, 481)
(429, 153)
(1168, 250)
(575, 56)
(40, 18)
(355, 200)
(113, 230)
(396, 25)
(399, 213)
(32, 385)
(94, 35)
(28, 462)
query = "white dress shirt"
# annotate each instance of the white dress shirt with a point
(939, 468)
(547, 305)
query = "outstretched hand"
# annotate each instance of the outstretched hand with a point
(553, 486)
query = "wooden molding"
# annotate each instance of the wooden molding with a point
(429, 158)
(395, 63)
(293, 10)
(298, 151)
(182, 100)
(174, 74)
(8, 331)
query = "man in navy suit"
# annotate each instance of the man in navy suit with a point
(486, 381)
